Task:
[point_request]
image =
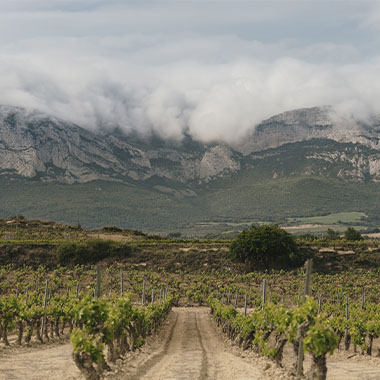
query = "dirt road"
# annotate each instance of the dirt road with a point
(194, 350)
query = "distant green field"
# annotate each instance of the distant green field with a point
(232, 224)
(320, 230)
(332, 219)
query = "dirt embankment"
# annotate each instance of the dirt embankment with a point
(171, 257)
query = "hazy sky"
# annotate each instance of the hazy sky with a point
(212, 68)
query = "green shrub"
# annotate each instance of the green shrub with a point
(174, 235)
(332, 235)
(90, 251)
(112, 229)
(352, 235)
(266, 246)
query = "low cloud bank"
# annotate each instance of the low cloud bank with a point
(209, 101)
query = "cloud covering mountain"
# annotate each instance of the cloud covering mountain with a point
(210, 69)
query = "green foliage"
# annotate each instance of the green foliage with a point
(281, 322)
(352, 235)
(112, 229)
(335, 218)
(84, 343)
(90, 251)
(92, 313)
(174, 234)
(331, 234)
(264, 245)
(320, 340)
(111, 322)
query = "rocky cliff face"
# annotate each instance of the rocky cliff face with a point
(310, 123)
(35, 145)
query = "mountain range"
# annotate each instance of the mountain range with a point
(51, 168)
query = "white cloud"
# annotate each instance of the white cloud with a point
(211, 68)
(209, 100)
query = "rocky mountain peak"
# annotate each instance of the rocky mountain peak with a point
(307, 124)
(315, 116)
(33, 144)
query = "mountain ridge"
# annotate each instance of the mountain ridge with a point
(54, 170)
(36, 145)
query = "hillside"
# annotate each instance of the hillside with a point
(298, 164)
(35, 243)
(253, 195)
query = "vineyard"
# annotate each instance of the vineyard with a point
(107, 308)
(93, 322)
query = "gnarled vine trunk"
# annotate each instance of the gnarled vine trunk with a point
(347, 341)
(20, 332)
(279, 346)
(29, 326)
(38, 330)
(4, 334)
(112, 354)
(124, 346)
(85, 365)
(46, 328)
(318, 369)
(52, 326)
(370, 345)
(56, 328)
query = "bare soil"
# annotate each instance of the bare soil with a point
(113, 237)
(189, 347)
(52, 362)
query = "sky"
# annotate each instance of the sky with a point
(212, 69)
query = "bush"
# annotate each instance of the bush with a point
(307, 237)
(266, 246)
(112, 229)
(332, 235)
(352, 235)
(174, 235)
(90, 252)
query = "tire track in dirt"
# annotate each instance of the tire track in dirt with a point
(223, 364)
(195, 351)
(157, 357)
(185, 358)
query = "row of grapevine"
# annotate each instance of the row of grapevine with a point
(114, 324)
(95, 324)
(195, 287)
(355, 325)
(267, 330)
(28, 315)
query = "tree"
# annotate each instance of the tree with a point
(264, 246)
(174, 234)
(331, 234)
(352, 234)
